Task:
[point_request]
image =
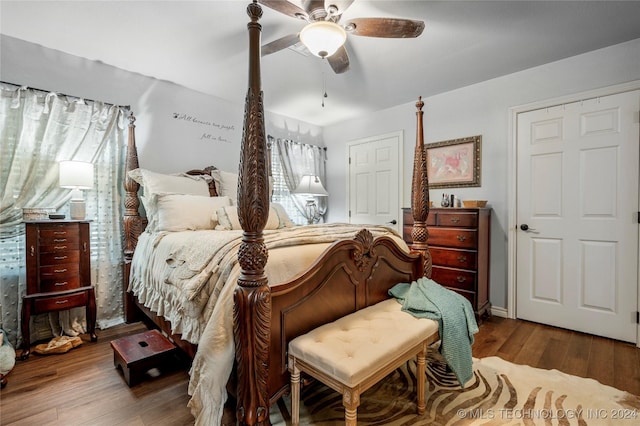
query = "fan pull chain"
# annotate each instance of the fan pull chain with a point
(324, 89)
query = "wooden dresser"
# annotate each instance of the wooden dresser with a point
(58, 259)
(459, 242)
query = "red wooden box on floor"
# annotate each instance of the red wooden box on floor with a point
(139, 353)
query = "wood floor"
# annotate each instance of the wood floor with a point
(82, 387)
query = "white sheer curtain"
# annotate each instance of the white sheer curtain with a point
(37, 130)
(296, 160)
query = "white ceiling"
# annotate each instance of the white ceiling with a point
(202, 45)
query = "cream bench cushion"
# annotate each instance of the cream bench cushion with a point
(356, 351)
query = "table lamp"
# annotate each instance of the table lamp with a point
(311, 186)
(76, 175)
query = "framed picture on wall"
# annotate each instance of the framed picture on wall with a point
(454, 163)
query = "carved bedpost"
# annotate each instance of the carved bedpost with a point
(132, 222)
(420, 195)
(252, 297)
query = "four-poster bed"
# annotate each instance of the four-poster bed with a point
(349, 275)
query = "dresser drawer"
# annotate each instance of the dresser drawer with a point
(59, 284)
(58, 303)
(58, 231)
(465, 259)
(50, 244)
(57, 258)
(450, 277)
(462, 219)
(452, 237)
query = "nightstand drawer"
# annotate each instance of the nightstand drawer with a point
(452, 237)
(47, 232)
(458, 278)
(56, 258)
(59, 303)
(465, 259)
(59, 284)
(59, 271)
(70, 240)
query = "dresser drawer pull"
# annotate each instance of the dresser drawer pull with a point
(32, 251)
(60, 257)
(455, 219)
(461, 279)
(59, 271)
(60, 247)
(462, 259)
(59, 240)
(61, 284)
(60, 232)
(62, 302)
(84, 246)
(461, 237)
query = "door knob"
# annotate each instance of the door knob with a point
(393, 222)
(525, 227)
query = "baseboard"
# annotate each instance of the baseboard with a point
(499, 312)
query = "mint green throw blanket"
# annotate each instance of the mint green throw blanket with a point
(426, 298)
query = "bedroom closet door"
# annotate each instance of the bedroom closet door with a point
(374, 180)
(577, 215)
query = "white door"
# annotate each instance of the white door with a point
(577, 215)
(374, 180)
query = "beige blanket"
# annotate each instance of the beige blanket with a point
(214, 360)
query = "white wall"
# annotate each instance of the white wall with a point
(177, 129)
(480, 109)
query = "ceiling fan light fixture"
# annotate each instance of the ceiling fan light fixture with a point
(323, 38)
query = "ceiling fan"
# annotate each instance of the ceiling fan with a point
(325, 37)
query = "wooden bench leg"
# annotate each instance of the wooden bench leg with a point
(295, 392)
(420, 377)
(351, 402)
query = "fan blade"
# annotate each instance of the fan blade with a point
(283, 6)
(279, 44)
(339, 61)
(384, 27)
(337, 7)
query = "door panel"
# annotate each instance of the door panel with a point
(577, 191)
(374, 183)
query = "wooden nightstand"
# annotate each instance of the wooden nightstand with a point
(58, 272)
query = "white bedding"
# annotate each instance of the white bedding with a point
(182, 276)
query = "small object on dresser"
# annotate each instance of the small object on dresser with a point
(445, 200)
(56, 216)
(36, 213)
(474, 203)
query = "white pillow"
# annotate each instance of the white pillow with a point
(182, 212)
(159, 183)
(228, 219)
(226, 184)
(285, 220)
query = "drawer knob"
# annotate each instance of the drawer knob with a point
(59, 271)
(462, 259)
(61, 284)
(461, 237)
(461, 279)
(62, 302)
(60, 257)
(60, 232)
(455, 219)
(59, 240)
(59, 247)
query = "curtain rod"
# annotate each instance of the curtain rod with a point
(300, 143)
(62, 94)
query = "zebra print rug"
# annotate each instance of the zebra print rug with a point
(500, 393)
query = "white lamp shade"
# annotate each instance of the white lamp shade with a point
(311, 185)
(76, 175)
(323, 38)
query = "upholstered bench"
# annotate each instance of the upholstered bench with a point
(355, 352)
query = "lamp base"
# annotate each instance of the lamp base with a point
(77, 209)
